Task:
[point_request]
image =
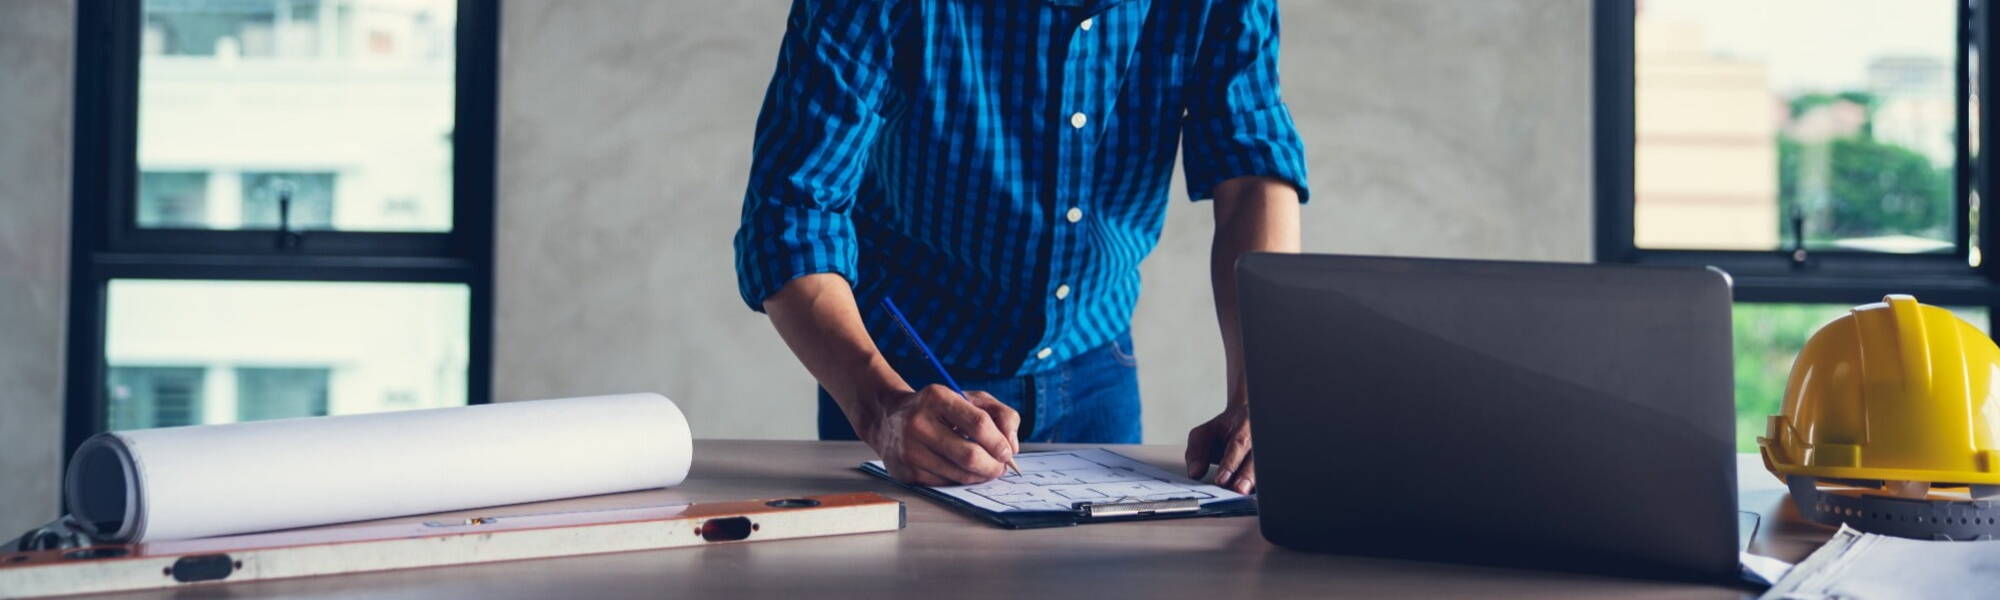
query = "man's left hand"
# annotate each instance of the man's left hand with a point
(1225, 442)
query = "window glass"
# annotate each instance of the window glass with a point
(304, 199)
(1833, 118)
(153, 396)
(1768, 339)
(347, 103)
(186, 352)
(173, 198)
(281, 392)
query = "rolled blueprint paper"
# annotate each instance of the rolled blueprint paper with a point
(207, 480)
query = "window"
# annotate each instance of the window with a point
(282, 209)
(143, 397)
(289, 201)
(173, 198)
(1823, 152)
(281, 392)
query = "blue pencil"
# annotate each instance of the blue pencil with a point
(926, 349)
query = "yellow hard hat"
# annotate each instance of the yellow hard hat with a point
(1896, 391)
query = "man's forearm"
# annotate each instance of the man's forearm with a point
(1252, 214)
(819, 319)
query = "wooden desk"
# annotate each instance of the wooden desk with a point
(944, 554)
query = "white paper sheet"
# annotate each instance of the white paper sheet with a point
(1056, 480)
(1862, 566)
(1762, 570)
(191, 482)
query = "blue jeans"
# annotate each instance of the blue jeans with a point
(1092, 398)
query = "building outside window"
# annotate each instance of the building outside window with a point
(349, 100)
(152, 396)
(1839, 113)
(288, 348)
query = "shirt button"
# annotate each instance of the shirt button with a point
(1077, 120)
(1089, 22)
(1044, 353)
(1062, 291)
(1075, 214)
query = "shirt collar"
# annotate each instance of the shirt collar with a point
(1095, 6)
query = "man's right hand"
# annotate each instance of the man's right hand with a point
(930, 436)
(934, 437)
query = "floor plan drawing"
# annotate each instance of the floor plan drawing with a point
(1055, 481)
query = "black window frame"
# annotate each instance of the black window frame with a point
(1790, 274)
(106, 243)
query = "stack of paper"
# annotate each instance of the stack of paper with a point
(1860, 566)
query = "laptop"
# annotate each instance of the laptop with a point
(1556, 416)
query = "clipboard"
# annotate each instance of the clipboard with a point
(1081, 513)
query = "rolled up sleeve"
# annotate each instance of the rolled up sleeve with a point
(820, 116)
(1237, 124)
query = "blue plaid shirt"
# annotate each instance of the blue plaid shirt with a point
(1000, 167)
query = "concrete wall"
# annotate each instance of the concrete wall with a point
(1437, 128)
(35, 88)
(1434, 128)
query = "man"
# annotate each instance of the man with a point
(998, 168)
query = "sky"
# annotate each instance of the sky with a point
(1818, 45)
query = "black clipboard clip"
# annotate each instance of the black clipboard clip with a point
(1134, 508)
